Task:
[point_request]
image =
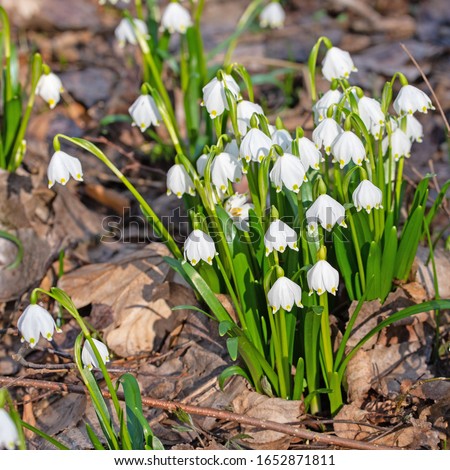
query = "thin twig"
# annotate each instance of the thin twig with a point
(425, 79)
(204, 411)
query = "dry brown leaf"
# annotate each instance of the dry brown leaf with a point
(131, 290)
(259, 406)
(359, 375)
(424, 273)
(349, 423)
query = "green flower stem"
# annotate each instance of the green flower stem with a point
(327, 350)
(278, 355)
(6, 37)
(362, 275)
(281, 320)
(254, 191)
(36, 72)
(155, 221)
(139, 10)
(398, 184)
(312, 64)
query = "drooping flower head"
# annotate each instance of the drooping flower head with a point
(325, 134)
(320, 108)
(225, 168)
(176, 18)
(34, 322)
(278, 236)
(399, 143)
(414, 130)
(410, 99)
(144, 112)
(371, 114)
(337, 64)
(199, 246)
(284, 294)
(288, 171)
(347, 146)
(88, 356)
(255, 146)
(179, 182)
(282, 138)
(125, 33)
(322, 277)
(326, 211)
(310, 155)
(245, 111)
(62, 166)
(367, 196)
(49, 88)
(272, 16)
(214, 97)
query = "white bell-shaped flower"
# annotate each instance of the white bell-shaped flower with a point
(179, 182)
(214, 97)
(282, 138)
(372, 116)
(310, 155)
(255, 146)
(367, 196)
(414, 130)
(49, 87)
(337, 64)
(284, 294)
(289, 171)
(325, 134)
(61, 167)
(410, 99)
(88, 357)
(322, 277)
(144, 112)
(225, 168)
(237, 208)
(399, 143)
(36, 321)
(176, 18)
(201, 162)
(321, 106)
(125, 33)
(278, 236)
(347, 146)
(9, 436)
(199, 246)
(245, 111)
(272, 16)
(326, 211)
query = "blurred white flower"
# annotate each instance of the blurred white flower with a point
(282, 138)
(179, 182)
(144, 112)
(367, 196)
(278, 236)
(399, 143)
(49, 88)
(322, 277)
(245, 111)
(237, 208)
(9, 436)
(346, 146)
(176, 18)
(225, 168)
(325, 134)
(272, 15)
(284, 294)
(61, 167)
(310, 155)
(214, 97)
(289, 171)
(124, 32)
(321, 106)
(337, 64)
(371, 114)
(199, 246)
(326, 211)
(255, 146)
(410, 99)
(88, 357)
(232, 148)
(36, 321)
